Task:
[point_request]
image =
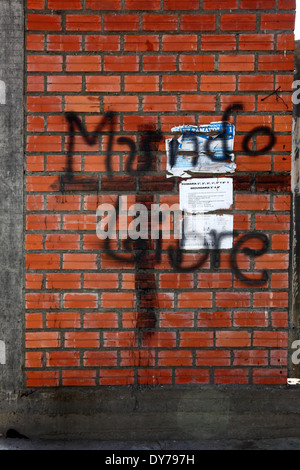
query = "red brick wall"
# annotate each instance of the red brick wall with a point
(91, 320)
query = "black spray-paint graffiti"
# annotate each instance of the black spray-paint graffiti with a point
(145, 253)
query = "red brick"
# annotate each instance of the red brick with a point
(219, 4)
(100, 320)
(280, 281)
(181, 4)
(160, 22)
(38, 22)
(121, 103)
(60, 320)
(42, 378)
(63, 281)
(231, 376)
(239, 62)
(116, 377)
(35, 124)
(117, 339)
(147, 42)
(103, 5)
(188, 63)
(196, 339)
(35, 202)
(64, 5)
(35, 42)
(38, 4)
(197, 22)
(42, 261)
(214, 83)
(272, 222)
(287, 4)
(33, 359)
(83, 63)
(238, 22)
(118, 299)
(80, 339)
(64, 83)
(83, 22)
(277, 21)
(233, 339)
(82, 104)
(80, 300)
(34, 281)
(121, 63)
(97, 358)
(62, 43)
(63, 203)
(269, 376)
(35, 83)
(248, 101)
(174, 358)
(280, 242)
(159, 63)
(100, 281)
(198, 102)
(270, 339)
(252, 357)
(250, 319)
(141, 83)
(105, 84)
(213, 358)
(62, 359)
(270, 299)
(179, 83)
(232, 299)
(213, 319)
(179, 42)
(159, 103)
(79, 261)
(120, 22)
(142, 4)
(44, 104)
(44, 63)
(176, 281)
(214, 280)
(252, 202)
(62, 242)
(192, 376)
(284, 81)
(159, 339)
(176, 319)
(255, 82)
(34, 242)
(280, 320)
(257, 4)
(50, 339)
(285, 42)
(276, 62)
(43, 222)
(42, 301)
(282, 202)
(102, 42)
(212, 42)
(34, 320)
(256, 42)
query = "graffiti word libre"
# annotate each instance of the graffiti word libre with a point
(136, 237)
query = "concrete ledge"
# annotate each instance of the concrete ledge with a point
(148, 414)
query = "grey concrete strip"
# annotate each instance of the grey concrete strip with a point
(155, 446)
